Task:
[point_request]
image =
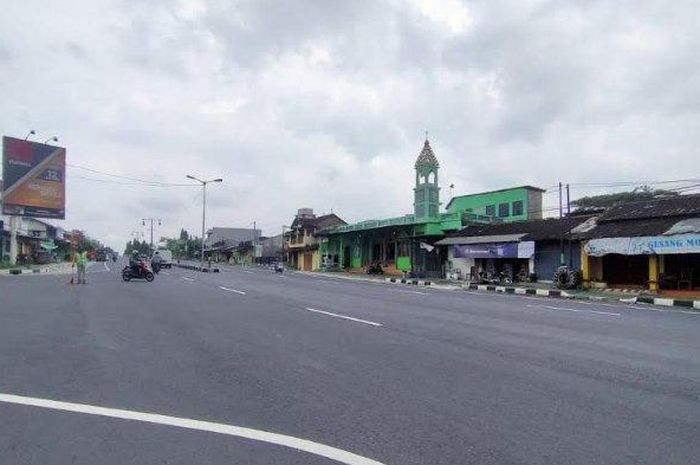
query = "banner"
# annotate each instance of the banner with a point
(524, 249)
(33, 179)
(645, 245)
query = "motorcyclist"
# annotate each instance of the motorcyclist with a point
(135, 262)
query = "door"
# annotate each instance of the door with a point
(308, 260)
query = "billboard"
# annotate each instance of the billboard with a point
(34, 179)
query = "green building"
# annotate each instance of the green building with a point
(405, 243)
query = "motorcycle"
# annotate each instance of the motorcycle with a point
(156, 267)
(375, 268)
(143, 271)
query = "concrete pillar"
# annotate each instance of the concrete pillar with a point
(14, 226)
(653, 273)
(662, 264)
(585, 268)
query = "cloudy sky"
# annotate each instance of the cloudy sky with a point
(325, 104)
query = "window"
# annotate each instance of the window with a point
(490, 210)
(503, 209)
(517, 208)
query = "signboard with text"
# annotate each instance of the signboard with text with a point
(645, 245)
(495, 250)
(34, 179)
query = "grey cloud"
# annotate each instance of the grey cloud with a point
(324, 103)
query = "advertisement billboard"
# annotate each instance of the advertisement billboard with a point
(34, 179)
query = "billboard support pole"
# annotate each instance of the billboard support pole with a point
(13, 240)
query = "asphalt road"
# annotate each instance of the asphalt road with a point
(397, 374)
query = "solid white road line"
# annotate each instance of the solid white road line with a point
(231, 290)
(358, 320)
(577, 310)
(106, 267)
(304, 445)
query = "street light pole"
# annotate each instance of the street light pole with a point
(152, 220)
(204, 221)
(204, 212)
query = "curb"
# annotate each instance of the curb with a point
(666, 302)
(519, 290)
(196, 268)
(18, 271)
(414, 282)
(559, 294)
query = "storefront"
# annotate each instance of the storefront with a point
(658, 262)
(488, 257)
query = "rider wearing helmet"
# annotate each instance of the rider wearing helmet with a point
(134, 261)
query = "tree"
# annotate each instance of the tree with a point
(600, 202)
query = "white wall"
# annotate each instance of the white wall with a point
(462, 264)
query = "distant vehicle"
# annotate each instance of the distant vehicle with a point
(279, 267)
(166, 258)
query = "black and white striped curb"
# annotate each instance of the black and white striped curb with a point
(18, 271)
(15, 271)
(196, 268)
(665, 302)
(414, 282)
(518, 290)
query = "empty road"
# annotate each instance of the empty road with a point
(251, 367)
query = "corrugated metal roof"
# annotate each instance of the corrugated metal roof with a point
(682, 205)
(480, 239)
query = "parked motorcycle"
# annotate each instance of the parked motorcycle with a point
(143, 271)
(375, 268)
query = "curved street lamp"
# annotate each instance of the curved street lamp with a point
(204, 210)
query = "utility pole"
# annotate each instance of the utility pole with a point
(151, 220)
(561, 232)
(204, 211)
(568, 212)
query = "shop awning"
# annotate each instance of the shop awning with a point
(645, 245)
(480, 239)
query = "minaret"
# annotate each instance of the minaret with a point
(426, 202)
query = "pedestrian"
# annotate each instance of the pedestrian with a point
(81, 260)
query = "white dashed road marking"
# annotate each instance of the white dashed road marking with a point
(106, 267)
(335, 315)
(246, 271)
(187, 278)
(231, 290)
(304, 445)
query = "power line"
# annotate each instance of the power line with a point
(631, 183)
(129, 178)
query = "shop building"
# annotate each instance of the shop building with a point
(406, 244)
(652, 245)
(521, 251)
(302, 243)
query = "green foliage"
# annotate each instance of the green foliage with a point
(142, 247)
(607, 200)
(186, 246)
